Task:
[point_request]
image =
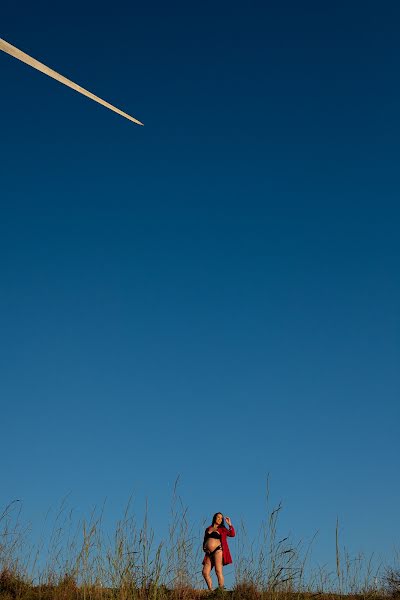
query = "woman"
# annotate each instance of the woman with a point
(216, 548)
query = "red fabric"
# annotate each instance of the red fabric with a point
(226, 555)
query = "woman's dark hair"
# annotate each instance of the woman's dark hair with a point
(215, 518)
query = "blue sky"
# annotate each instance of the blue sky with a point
(216, 294)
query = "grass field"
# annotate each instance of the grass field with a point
(83, 563)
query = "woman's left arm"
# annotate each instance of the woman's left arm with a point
(231, 531)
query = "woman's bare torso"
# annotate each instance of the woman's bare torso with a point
(212, 543)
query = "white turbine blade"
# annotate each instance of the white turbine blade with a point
(13, 51)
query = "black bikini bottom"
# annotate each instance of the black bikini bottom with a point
(212, 552)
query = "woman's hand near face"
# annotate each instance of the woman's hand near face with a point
(228, 521)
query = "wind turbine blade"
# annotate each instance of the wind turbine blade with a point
(13, 51)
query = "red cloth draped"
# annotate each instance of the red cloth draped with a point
(226, 555)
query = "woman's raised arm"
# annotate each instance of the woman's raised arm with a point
(231, 531)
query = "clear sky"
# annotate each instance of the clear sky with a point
(215, 294)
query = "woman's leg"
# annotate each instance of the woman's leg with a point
(206, 572)
(218, 567)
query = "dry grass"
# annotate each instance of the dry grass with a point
(83, 563)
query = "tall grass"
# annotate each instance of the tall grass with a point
(81, 561)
